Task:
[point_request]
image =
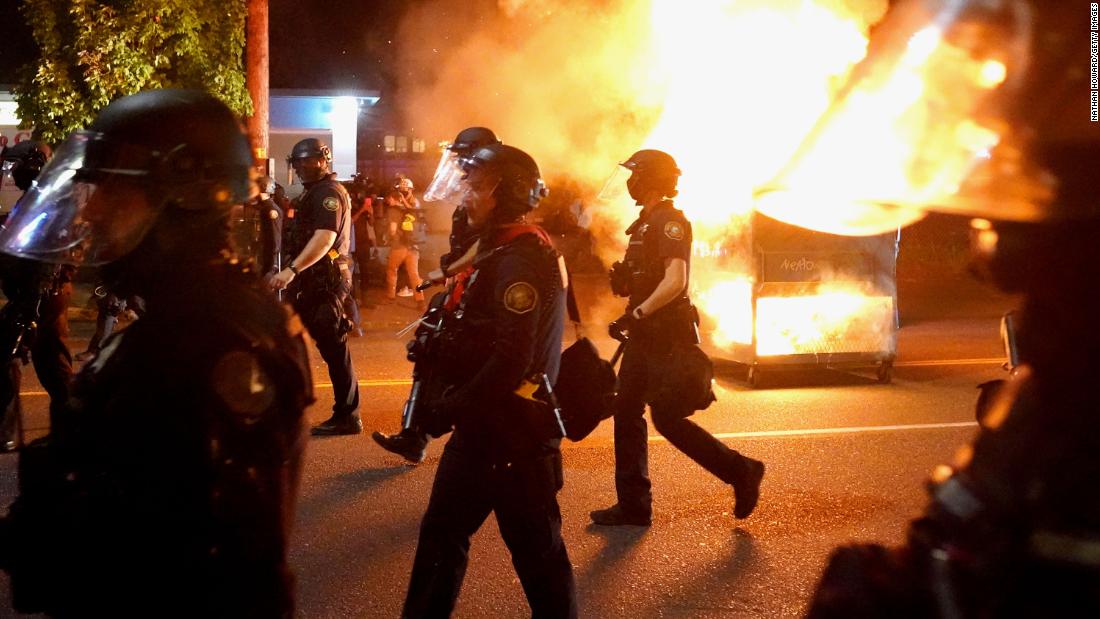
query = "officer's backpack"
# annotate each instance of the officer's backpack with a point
(586, 385)
(585, 389)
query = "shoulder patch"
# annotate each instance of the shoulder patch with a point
(674, 230)
(331, 204)
(520, 297)
(243, 386)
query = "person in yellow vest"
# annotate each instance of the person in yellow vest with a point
(402, 215)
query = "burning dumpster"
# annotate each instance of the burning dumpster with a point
(781, 296)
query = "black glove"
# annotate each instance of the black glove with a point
(621, 327)
(451, 405)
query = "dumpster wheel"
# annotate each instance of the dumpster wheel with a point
(885, 372)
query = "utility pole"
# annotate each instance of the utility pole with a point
(257, 58)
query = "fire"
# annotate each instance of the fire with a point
(838, 320)
(910, 127)
(770, 95)
(744, 83)
(769, 106)
(729, 302)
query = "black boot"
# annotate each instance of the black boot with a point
(409, 444)
(336, 426)
(615, 516)
(9, 432)
(746, 490)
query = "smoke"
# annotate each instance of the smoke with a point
(564, 80)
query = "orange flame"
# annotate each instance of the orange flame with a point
(837, 320)
(746, 94)
(744, 83)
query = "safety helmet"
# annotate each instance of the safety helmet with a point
(645, 171)
(180, 149)
(520, 188)
(25, 160)
(310, 147)
(404, 183)
(652, 163)
(471, 138)
(448, 173)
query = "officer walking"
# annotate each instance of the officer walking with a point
(504, 454)
(317, 275)
(169, 482)
(412, 441)
(654, 275)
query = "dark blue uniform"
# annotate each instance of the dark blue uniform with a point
(503, 456)
(168, 487)
(663, 233)
(319, 292)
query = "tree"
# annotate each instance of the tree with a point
(91, 52)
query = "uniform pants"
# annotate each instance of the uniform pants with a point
(410, 257)
(632, 485)
(333, 347)
(467, 488)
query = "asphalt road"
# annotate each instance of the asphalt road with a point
(846, 461)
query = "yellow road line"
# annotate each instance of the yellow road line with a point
(848, 430)
(913, 364)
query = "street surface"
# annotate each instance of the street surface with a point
(846, 461)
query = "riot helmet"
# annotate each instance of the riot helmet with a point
(505, 177)
(472, 138)
(311, 159)
(646, 173)
(310, 147)
(449, 172)
(146, 154)
(24, 161)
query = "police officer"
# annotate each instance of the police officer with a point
(412, 441)
(269, 213)
(1012, 527)
(38, 300)
(168, 485)
(504, 454)
(659, 317)
(317, 275)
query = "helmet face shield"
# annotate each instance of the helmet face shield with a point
(445, 182)
(88, 206)
(615, 188)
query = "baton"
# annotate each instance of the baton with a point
(618, 353)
